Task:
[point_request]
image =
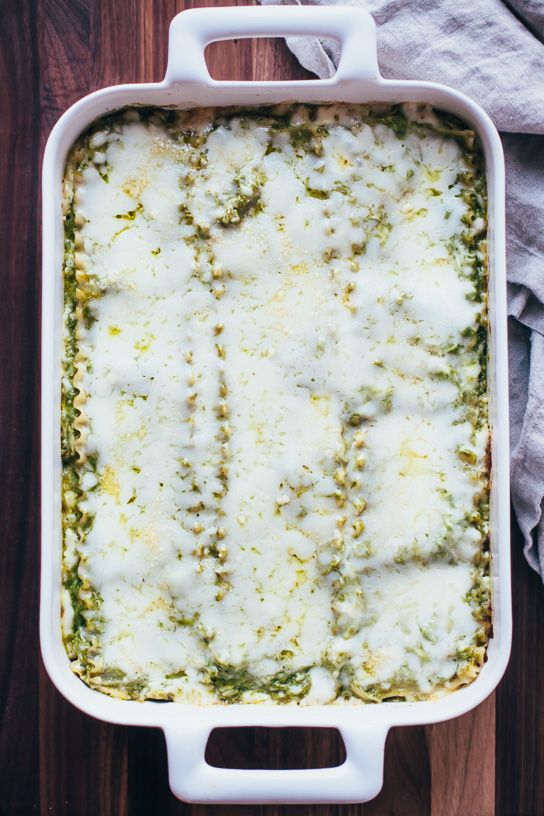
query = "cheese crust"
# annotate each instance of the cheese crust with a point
(274, 405)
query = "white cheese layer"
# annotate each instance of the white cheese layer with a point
(281, 476)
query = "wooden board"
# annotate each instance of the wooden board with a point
(54, 759)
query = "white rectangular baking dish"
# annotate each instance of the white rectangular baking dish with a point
(363, 727)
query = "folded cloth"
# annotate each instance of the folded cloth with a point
(494, 52)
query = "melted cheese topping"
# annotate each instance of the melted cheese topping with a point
(274, 408)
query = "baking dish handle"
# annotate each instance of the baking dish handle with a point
(192, 30)
(358, 779)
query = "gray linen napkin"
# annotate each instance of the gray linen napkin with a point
(494, 52)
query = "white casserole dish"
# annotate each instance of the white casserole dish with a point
(363, 727)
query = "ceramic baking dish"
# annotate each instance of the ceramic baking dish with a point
(363, 727)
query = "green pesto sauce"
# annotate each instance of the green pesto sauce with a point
(231, 682)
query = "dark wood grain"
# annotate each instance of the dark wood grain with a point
(54, 759)
(19, 137)
(520, 700)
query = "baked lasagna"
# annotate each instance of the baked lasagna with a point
(274, 405)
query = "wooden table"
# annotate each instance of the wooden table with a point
(53, 759)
